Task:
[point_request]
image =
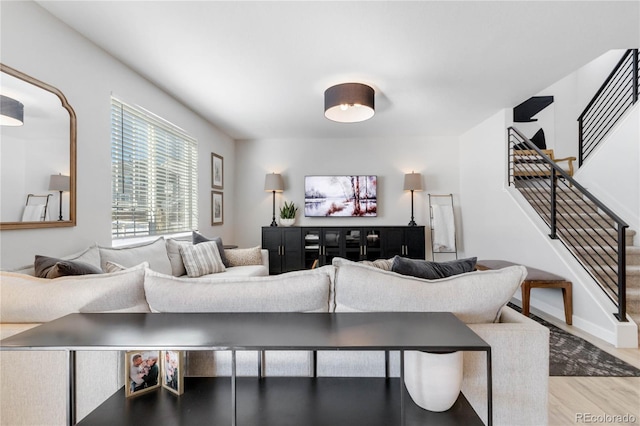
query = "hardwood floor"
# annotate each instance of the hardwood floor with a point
(589, 400)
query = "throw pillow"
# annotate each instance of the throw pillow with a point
(384, 264)
(154, 252)
(202, 259)
(113, 267)
(173, 250)
(432, 270)
(199, 238)
(244, 257)
(64, 268)
(42, 264)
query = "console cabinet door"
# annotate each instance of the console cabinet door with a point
(414, 240)
(407, 241)
(285, 248)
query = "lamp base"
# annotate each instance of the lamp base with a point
(413, 223)
(273, 223)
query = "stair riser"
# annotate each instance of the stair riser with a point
(632, 258)
(592, 238)
(580, 221)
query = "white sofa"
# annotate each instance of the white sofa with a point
(520, 346)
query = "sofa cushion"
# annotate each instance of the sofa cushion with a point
(175, 258)
(474, 297)
(90, 255)
(27, 299)
(300, 291)
(201, 259)
(432, 270)
(244, 257)
(51, 267)
(154, 252)
(199, 238)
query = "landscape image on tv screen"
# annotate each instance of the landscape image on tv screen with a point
(340, 196)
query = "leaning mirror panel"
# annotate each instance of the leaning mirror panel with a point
(37, 154)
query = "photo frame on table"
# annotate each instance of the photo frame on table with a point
(173, 371)
(217, 208)
(142, 372)
(217, 171)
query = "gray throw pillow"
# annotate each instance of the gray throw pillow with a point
(51, 267)
(432, 270)
(199, 238)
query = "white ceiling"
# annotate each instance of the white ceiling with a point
(259, 69)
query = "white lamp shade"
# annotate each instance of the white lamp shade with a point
(59, 183)
(413, 182)
(273, 182)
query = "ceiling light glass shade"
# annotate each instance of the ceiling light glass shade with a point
(413, 182)
(59, 183)
(11, 112)
(349, 102)
(273, 182)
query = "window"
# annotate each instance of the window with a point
(154, 174)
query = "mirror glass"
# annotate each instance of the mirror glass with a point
(37, 158)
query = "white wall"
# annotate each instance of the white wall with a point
(498, 226)
(41, 46)
(436, 159)
(612, 172)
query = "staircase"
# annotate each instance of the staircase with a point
(574, 215)
(633, 284)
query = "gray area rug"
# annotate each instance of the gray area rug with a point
(570, 355)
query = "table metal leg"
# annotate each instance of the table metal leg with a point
(315, 363)
(401, 388)
(387, 368)
(71, 387)
(260, 364)
(489, 389)
(233, 388)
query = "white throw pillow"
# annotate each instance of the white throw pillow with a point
(175, 258)
(300, 291)
(474, 297)
(154, 252)
(202, 259)
(27, 299)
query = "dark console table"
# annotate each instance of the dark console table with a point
(398, 331)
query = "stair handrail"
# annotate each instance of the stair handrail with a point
(555, 172)
(617, 72)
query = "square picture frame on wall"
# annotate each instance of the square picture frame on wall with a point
(217, 171)
(217, 208)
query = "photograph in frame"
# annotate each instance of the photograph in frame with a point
(173, 371)
(217, 171)
(217, 208)
(142, 372)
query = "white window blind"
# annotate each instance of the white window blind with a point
(154, 174)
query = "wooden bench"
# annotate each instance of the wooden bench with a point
(536, 278)
(528, 163)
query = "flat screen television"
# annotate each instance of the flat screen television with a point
(340, 196)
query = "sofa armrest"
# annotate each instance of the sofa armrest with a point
(265, 257)
(520, 366)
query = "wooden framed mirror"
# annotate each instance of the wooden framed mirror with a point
(38, 158)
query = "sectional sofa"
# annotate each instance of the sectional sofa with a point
(520, 353)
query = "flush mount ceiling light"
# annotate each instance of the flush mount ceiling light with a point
(11, 112)
(349, 102)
